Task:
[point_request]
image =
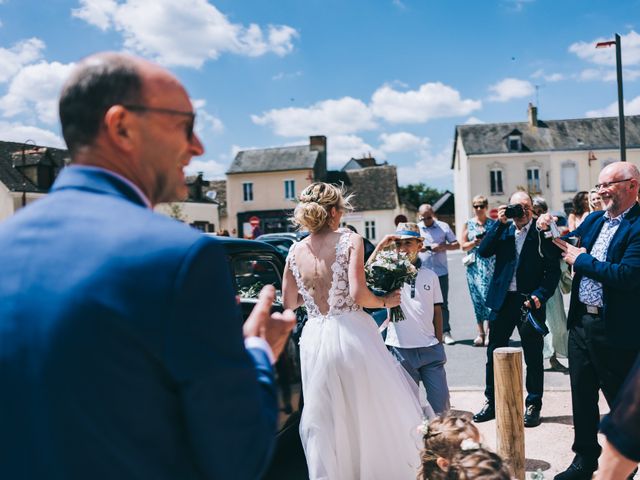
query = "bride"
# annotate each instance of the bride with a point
(361, 413)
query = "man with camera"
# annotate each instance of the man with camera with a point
(604, 334)
(526, 274)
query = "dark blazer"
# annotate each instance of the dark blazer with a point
(535, 275)
(121, 347)
(619, 275)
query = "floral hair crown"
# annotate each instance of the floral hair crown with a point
(468, 444)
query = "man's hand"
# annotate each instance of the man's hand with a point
(544, 221)
(569, 252)
(501, 216)
(274, 328)
(536, 301)
(438, 247)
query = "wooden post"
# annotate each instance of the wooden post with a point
(507, 368)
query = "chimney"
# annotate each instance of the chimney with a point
(533, 115)
(318, 143)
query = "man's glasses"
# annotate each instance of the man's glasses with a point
(480, 206)
(168, 111)
(608, 184)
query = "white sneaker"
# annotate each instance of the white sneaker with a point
(448, 339)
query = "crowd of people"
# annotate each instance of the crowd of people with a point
(113, 364)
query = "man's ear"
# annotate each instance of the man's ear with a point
(442, 463)
(119, 124)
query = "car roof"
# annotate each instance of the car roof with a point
(290, 235)
(238, 245)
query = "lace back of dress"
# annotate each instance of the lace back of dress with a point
(330, 292)
(341, 300)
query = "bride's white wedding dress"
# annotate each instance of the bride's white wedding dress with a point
(361, 412)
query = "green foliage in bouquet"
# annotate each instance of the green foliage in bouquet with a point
(388, 272)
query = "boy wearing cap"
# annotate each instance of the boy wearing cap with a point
(417, 340)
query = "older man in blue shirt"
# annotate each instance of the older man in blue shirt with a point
(438, 238)
(604, 334)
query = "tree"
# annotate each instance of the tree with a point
(176, 212)
(418, 193)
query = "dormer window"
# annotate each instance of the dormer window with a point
(514, 143)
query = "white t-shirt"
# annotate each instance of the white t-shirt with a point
(417, 330)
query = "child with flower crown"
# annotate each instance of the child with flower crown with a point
(452, 450)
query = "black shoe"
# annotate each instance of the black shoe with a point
(532, 416)
(577, 471)
(487, 413)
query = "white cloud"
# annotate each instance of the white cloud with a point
(473, 121)
(554, 77)
(402, 142)
(342, 148)
(517, 5)
(399, 4)
(431, 168)
(22, 53)
(211, 169)
(607, 56)
(206, 122)
(284, 76)
(606, 75)
(329, 117)
(185, 33)
(98, 13)
(35, 90)
(18, 132)
(630, 108)
(510, 88)
(431, 100)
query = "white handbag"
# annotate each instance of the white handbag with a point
(469, 259)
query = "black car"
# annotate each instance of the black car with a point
(283, 241)
(254, 264)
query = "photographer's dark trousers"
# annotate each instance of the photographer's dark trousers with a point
(501, 327)
(594, 363)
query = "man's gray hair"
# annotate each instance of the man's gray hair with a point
(97, 83)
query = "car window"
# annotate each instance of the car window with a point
(251, 274)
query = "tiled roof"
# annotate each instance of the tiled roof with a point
(274, 159)
(11, 155)
(551, 135)
(374, 188)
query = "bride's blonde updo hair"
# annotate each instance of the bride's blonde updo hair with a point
(316, 201)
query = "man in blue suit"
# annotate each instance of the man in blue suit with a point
(527, 271)
(122, 350)
(604, 332)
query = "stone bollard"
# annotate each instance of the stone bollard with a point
(507, 368)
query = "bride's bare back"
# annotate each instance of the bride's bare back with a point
(315, 258)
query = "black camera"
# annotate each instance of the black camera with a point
(514, 210)
(481, 235)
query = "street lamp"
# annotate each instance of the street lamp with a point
(616, 42)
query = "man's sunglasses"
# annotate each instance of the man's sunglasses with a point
(168, 111)
(482, 205)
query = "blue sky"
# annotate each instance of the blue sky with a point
(386, 77)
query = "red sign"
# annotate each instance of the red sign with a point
(254, 221)
(493, 213)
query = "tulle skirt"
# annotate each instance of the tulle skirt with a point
(361, 409)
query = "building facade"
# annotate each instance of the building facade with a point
(26, 174)
(554, 159)
(263, 185)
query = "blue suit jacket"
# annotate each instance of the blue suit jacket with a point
(535, 275)
(619, 275)
(121, 350)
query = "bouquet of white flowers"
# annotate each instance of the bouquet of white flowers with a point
(388, 272)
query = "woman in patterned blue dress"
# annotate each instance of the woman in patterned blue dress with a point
(479, 270)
